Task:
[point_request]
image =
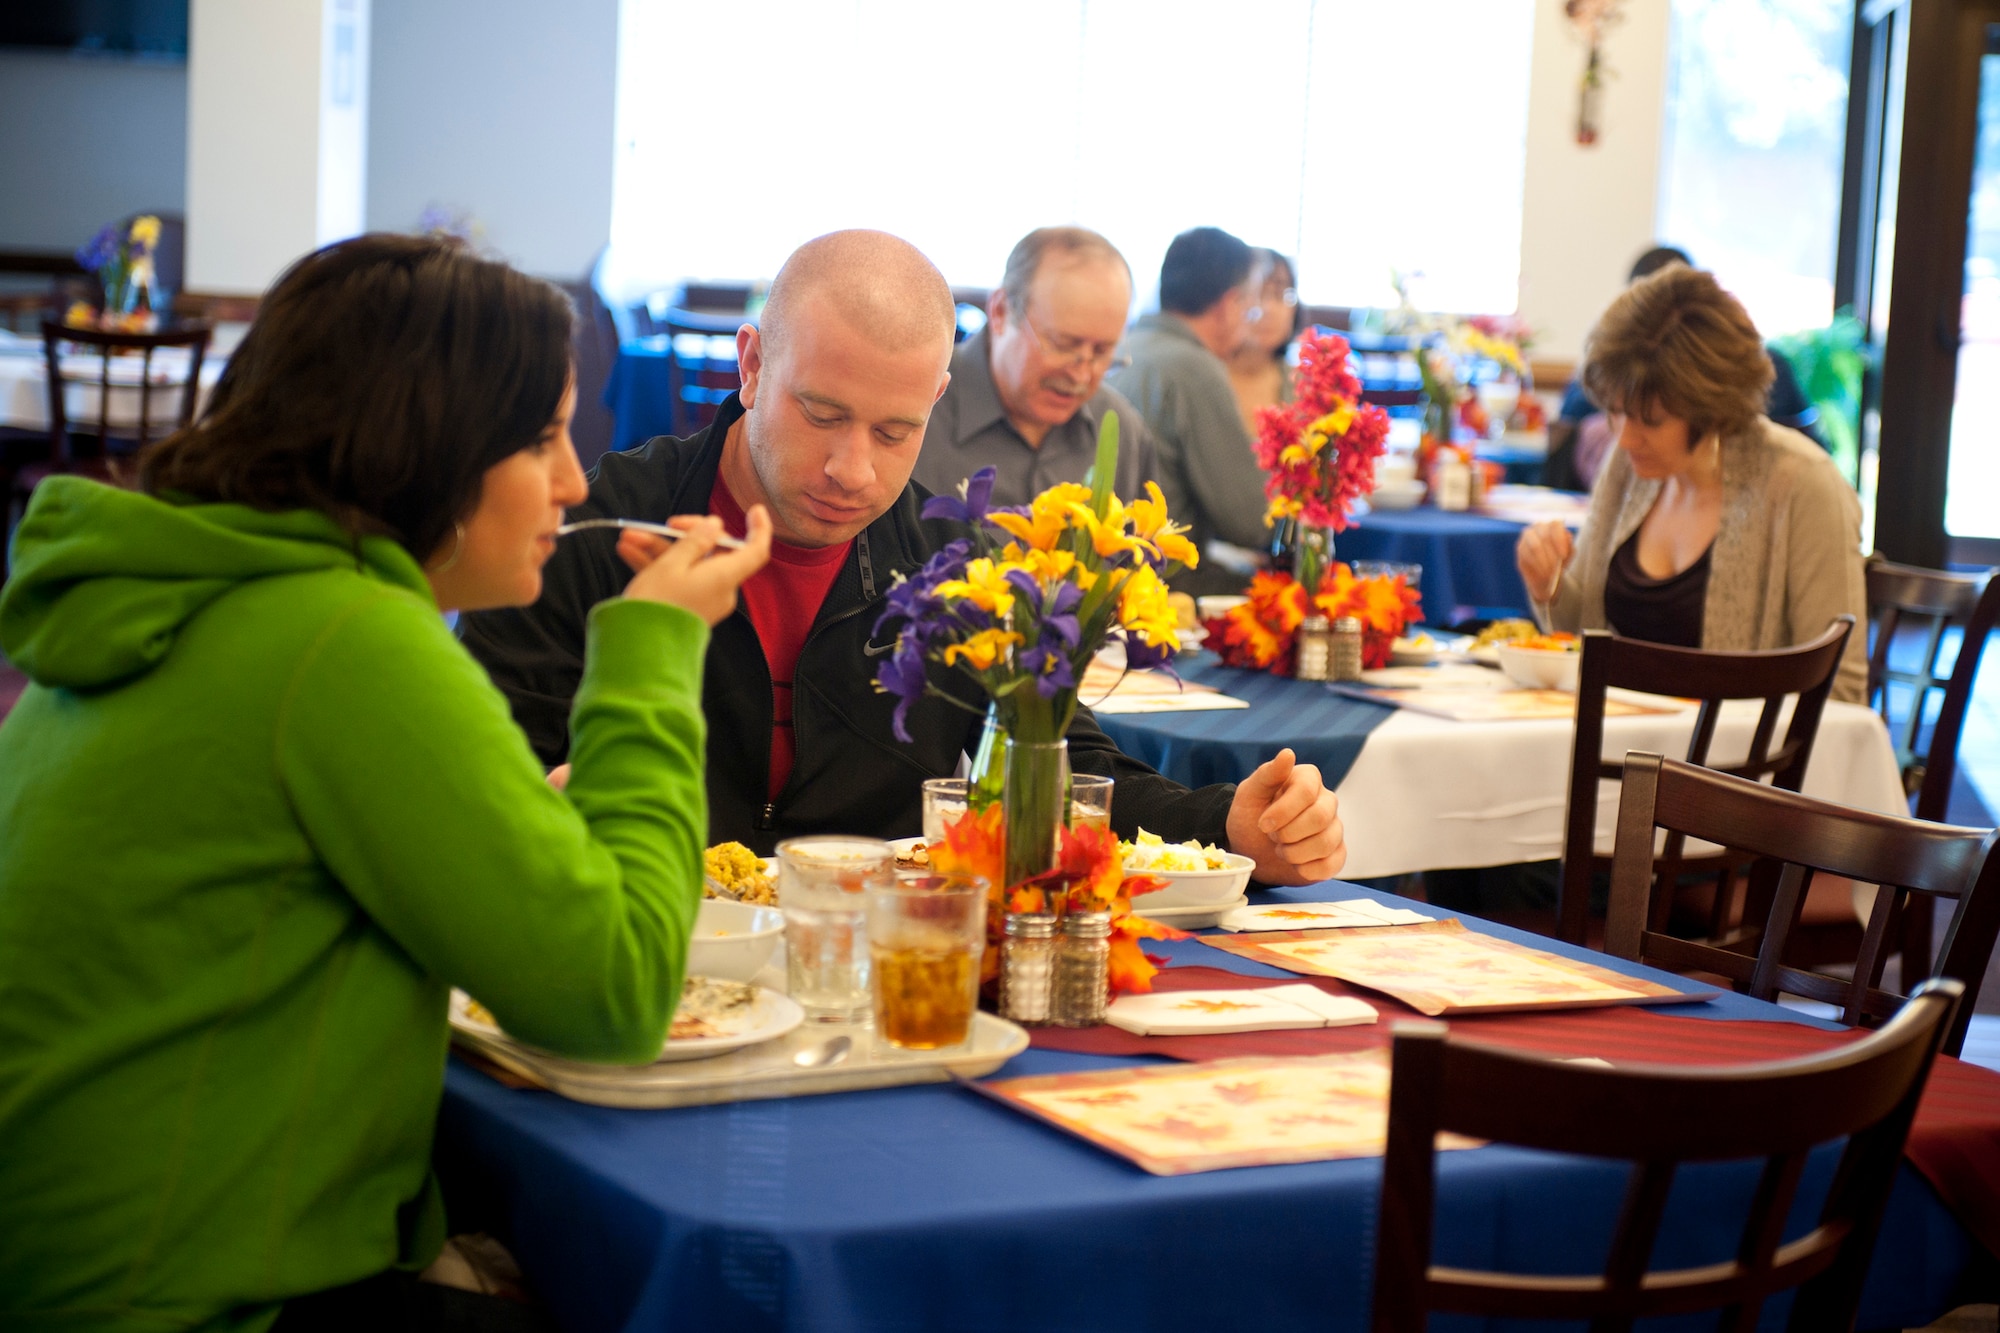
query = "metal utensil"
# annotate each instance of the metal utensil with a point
(657, 529)
(829, 1052)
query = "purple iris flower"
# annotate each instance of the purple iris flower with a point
(972, 508)
(1051, 668)
(903, 675)
(1142, 656)
(100, 249)
(915, 599)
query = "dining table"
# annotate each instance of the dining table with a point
(1424, 792)
(935, 1206)
(24, 381)
(1466, 556)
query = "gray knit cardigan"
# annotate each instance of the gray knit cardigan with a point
(1786, 559)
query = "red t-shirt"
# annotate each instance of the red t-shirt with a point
(782, 599)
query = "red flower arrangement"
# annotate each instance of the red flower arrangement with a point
(1259, 634)
(1321, 447)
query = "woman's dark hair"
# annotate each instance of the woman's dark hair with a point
(382, 377)
(1199, 269)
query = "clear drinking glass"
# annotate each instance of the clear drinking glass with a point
(925, 937)
(944, 802)
(823, 884)
(1089, 801)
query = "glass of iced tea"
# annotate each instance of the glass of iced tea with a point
(925, 935)
(1089, 801)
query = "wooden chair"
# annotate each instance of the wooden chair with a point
(74, 451)
(1711, 678)
(1929, 601)
(1798, 837)
(698, 382)
(1657, 1117)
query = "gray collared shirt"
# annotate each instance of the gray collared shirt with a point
(969, 430)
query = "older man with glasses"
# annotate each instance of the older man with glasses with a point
(1027, 392)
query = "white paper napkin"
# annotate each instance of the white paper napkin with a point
(1319, 916)
(1190, 1013)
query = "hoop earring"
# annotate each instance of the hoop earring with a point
(457, 548)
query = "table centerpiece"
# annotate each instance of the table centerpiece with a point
(122, 258)
(1021, 606)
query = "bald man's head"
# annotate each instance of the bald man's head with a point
(880, 285)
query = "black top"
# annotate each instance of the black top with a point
(850, 774)
(1664, 610)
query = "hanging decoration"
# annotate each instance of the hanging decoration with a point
(1590, 19)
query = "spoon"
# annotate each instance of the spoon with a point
(829, 1052)
(657, 529)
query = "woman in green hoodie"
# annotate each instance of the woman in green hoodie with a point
(259, 811)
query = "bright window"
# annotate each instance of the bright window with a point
(1756, 123)
(749, 127)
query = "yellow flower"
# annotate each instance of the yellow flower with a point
(983, 649)
(1150, 521)
(1047, 517)
(1143, 607)
(145, 231)
(1282, 507)
(1052, 567)
(1175, 547)
(1108, 534)
(984, 585)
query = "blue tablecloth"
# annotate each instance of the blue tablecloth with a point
(933, 1208)
(1468, 559)
(1195, 749)
(638, 393)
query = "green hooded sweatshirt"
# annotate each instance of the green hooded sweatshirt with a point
(258, 812)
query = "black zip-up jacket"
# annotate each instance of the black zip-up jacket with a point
(850, 774)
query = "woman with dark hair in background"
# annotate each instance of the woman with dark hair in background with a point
(259, 811)
(1258, 371)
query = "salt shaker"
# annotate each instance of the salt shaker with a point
(1346, 649)
(1027, 962)
(1315, 649)
(1083, 970)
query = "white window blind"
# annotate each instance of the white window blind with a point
(1355, 136)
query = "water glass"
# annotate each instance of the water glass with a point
(823, 884)
(1412, 574)
(945, 802)
(925, 937)
(1089, 801)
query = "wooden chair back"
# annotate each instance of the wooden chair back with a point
(1800, 837)
(1657, 1117)
(1930, 601)
(697, 381)
(1711, 679)
(63, 441)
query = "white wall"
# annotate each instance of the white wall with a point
(86, 142)
(1587, 213)
(501, 109)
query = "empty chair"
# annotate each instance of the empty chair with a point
(1657, 1117)
(1711, 678)
(1926, 603)
(1798, 837)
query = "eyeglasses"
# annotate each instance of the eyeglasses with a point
(1289, 299)
(1099, 356)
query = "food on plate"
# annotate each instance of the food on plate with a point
(1505, 631)
(916, 856)
(1185, 616)
(707, 1006)
(1420, 643)
(734, 871)
(1549, 643)
(1152, 854)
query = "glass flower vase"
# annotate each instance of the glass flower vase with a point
(1035, 796)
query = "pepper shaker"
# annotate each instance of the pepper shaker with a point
(1083, 970)
(1346, 651)
(1315, 649)
(1027, 964)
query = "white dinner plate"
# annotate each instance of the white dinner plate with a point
(767, 1018)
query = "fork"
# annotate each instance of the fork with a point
(657, 529)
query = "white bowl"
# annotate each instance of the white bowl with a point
(733, 940)
(1217, 605)
(1540, 668)
(1396, 495)
(1197, 888)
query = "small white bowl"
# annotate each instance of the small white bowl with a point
(1396, 495)
(1540, 668)
(1197, 888)
(733, 940)
(1217, 605)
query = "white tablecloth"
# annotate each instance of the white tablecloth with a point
(24, 383)
(1432, 794)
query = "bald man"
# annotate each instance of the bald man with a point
(838, 385)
